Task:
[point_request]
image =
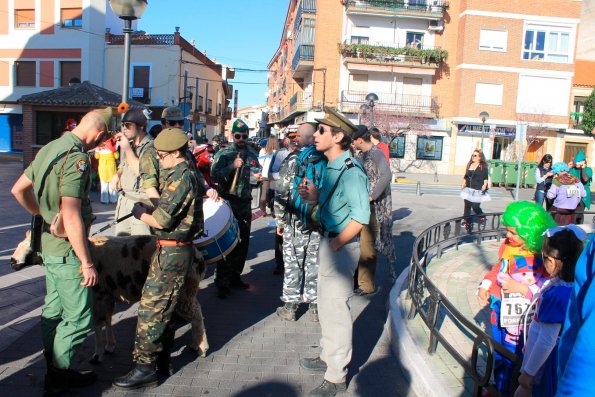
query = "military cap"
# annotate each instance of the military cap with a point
(173, 113)
(239, 126)
(170, 139)
(135, 116)
(335, 119)
(106, 115)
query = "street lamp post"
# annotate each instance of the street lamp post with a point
(364, 108)
(371, 99)
(128, 10)
(483, 116)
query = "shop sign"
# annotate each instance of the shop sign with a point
(491, 130)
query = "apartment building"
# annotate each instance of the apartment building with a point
(166, 70)
(255, 117)
(44, 44)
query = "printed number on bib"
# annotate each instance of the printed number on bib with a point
(514, 306)
(573, 191)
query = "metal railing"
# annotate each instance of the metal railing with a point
(430, 303)
(399, 6)
(300, 101)
(390, 44)
(303, 52)
(393, 102)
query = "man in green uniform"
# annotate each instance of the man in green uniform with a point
(343, 208)
(134, 142)
(235, 162)
(59, 180)
(584, 173)
(177, 221)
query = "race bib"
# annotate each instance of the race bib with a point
(573, 191)
(513, 308)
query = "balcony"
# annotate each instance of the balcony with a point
(576, 120)
(303, 59)
(140, 94)
(427, 9)
(307, 7)
(414, 105)
(392, 54)
(228, 113)
(300, 102)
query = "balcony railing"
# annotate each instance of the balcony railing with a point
(406, 7)
(391, 102)
(300, 101)
(305, 7)
(140, 94)
(303, 52)
(393, 52)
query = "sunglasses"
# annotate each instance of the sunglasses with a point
(173, 123)
(128, 125)
(240, 136)
(320, 130)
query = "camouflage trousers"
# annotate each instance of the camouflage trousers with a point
(300, 255)
(154, 331)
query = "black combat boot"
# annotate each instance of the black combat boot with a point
(163, 362)
(55, 383)
(287, 311)
(143, 375)
(237, 283)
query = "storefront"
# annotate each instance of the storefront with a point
(496, 139)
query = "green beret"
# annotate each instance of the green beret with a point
(239, 126)
(170, 139)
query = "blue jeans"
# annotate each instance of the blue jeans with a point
(539, 196)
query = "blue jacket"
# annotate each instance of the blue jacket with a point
(576, 349)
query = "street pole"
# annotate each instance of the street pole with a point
(371, 115)
(521, 130)
(483, 131)
(127, 33)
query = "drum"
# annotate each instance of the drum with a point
(221, 232)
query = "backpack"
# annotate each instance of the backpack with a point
(310, 164)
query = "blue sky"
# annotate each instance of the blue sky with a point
(239, 33)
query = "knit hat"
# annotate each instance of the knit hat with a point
(239, 126)
(559, 167)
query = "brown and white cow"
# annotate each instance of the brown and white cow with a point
(123, 264)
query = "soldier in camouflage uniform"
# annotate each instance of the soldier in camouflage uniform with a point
(300, 248)
(226, 164)
(177, 221)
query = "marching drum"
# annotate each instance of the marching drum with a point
(221, 232)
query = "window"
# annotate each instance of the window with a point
(358, 83)
(396, 147)
(488, 94)
(493, 40)
(360, 34)
(578, 108)
(24, 19)
(415, 39)
(360, 40)
(429, 148)
(218, 109)
(209, 105)
(200, 104)
(71, 17)
(26, 73)
(141, 77)
(68, 71)
(544, 43)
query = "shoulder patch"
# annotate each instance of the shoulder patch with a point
(172, 187)
(81, 166)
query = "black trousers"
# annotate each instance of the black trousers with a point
(468, 207)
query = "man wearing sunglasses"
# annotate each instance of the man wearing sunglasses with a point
(235, 162)
(172, 117)
(343, 208)
(133, 141)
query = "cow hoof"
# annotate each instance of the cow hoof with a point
(202, 353)
(95, 360)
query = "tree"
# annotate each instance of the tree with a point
(588, 124)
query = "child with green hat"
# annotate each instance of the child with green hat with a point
(579, 169)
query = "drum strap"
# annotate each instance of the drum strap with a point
(173, 243)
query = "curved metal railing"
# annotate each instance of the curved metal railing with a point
(429, 302)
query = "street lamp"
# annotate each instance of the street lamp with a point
(128, 10)
(483, 116)
(371, 99)
(364, 108)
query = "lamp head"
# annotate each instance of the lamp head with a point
(364, 107)
(371, 97)
(484, 116)
(128, 9)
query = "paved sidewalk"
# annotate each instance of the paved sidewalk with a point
(457, 274)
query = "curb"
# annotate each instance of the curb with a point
(423, 382)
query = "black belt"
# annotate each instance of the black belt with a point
(328, 234)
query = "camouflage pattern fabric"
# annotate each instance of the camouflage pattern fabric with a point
(300, 250)
(222, 171)
(150, 171)
(179, 212)
(300, 256)
(159, 298)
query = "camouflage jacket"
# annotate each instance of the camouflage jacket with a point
(222, 171)
(283, 189)
(179, 210)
